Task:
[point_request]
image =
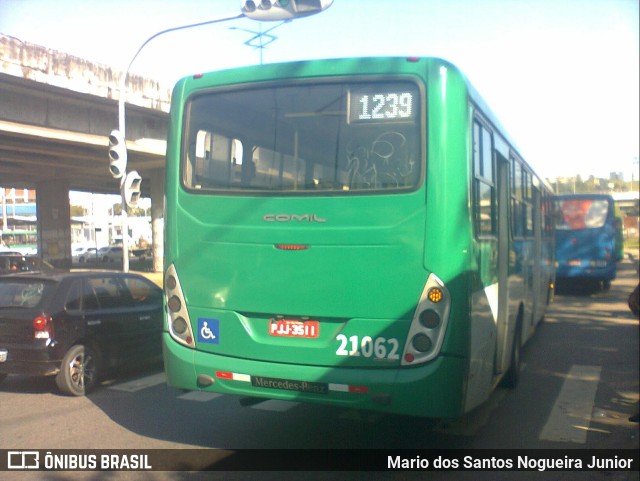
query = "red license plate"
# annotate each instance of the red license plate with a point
(294, 328)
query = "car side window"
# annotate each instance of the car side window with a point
(89, 299)
(110, 292)
(74, 297)
(143, 292)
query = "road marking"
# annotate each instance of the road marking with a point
(571, 414)
(200, 396)
(275, 405)
(139, 384)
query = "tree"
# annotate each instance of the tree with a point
(132, 212)
(78, 211)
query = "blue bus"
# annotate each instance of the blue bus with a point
(587, 240)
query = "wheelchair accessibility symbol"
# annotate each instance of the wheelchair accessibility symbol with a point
(208, 330)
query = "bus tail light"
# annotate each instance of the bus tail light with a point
(178, 323)
(435, 295)
(429, 323)
(430, 319)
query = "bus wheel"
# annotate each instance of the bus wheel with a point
(511, 377)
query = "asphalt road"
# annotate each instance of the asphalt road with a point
(579, 385)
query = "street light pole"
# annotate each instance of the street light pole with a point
(124, 76)
(122, 125)
(267, 10)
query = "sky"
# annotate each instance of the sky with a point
(561, 75)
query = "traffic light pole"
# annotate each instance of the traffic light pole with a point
(122, 127)
(262, 10)
(125, 235)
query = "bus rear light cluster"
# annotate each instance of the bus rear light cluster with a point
(426, 333)
(174, 304)
(429, 319)
(178, 323)
(179, 326)
(435, 294)
(421, 342)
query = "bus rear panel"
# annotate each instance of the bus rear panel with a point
(586, 239)
(320, 245)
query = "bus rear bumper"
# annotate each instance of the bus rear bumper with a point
(566, 273)
(435, 389)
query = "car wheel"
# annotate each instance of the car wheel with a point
(78, 372)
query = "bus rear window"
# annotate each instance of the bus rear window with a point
(336, 138)
(578, 214)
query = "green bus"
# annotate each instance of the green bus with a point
(356, 232)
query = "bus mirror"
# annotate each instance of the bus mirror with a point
(276, 10)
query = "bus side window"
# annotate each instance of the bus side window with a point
(517, 205)
(528, 201)
(484, 181)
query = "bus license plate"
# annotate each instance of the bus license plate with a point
(294, 328)
(3, 355)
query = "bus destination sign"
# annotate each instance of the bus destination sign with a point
(381, 106)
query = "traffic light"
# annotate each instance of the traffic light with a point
(266, 10)
(117, 154)
(130, 188)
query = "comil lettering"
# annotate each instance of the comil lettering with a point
(292, 218)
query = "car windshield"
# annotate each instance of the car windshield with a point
(22, 293)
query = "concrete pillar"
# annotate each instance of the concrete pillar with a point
(54, 222)
(157, 218)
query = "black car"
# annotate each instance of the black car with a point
(77, 325)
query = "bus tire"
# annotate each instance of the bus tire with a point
(512, 376)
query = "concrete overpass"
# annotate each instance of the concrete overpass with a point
(55, 115)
